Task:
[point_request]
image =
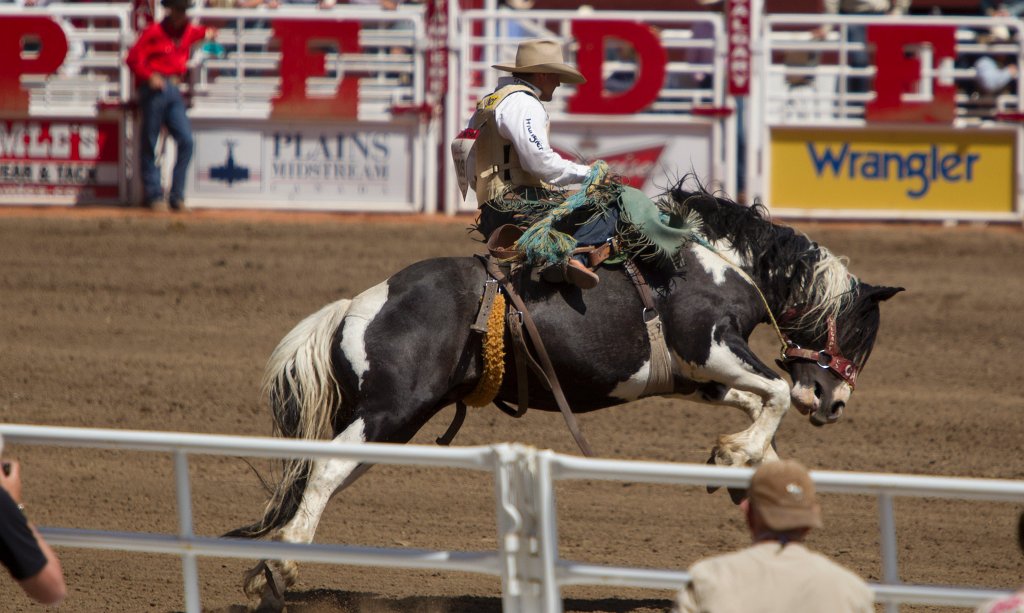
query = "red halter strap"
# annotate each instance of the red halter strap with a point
(829, 358)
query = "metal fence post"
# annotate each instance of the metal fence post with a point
(887, 528)
(190, 569)
(547, 519)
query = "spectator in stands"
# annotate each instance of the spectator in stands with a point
(1003, 8)
(159, 61)
(387, 5)
(993, 73)
(777, 573)
(235, 4)
(27, 557)
(514, 28)
(1014, 603)
(857, 34)
(512, 153)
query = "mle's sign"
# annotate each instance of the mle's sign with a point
(60, 158)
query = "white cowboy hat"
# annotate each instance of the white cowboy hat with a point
(537, 55)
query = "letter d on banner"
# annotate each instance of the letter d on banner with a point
(590, 97)
(14, 61)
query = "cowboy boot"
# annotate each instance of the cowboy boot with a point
(579, 275)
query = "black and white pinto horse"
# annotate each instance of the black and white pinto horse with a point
(378, 367)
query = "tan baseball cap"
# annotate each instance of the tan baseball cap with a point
(539, 55)
(783, 494)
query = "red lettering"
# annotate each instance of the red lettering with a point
(738, 33)
(53, 48)
(591, 97)
(298, 62)
(899, 72)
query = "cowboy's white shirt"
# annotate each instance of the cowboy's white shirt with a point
(521, 119)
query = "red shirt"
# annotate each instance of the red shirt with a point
(158, 51)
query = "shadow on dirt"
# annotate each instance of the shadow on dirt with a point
(337, 601)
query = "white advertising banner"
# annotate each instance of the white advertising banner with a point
(364, 167)
(651, 156)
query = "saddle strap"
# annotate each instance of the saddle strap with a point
(548, 373)
(486, 304)
(659, 380)
(515, 328)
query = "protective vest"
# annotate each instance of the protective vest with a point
(497, 163)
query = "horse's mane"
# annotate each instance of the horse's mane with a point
(780, 257)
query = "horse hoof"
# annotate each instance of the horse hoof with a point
(265, 586)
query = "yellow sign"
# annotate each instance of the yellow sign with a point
(965, 170)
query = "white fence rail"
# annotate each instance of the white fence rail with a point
(527, 559)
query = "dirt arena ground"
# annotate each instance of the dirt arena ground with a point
(130, 320)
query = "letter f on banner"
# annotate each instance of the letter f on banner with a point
(53, 48)
(898, 54)
(590, 97)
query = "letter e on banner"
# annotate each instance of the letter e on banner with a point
(590, 97)
(898, 53)
(298, 62)
(15, 62)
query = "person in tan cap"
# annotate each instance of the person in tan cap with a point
(1011, 603)
(511, 152)
(777, 573)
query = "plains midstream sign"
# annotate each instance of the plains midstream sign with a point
(916, 171)
(303, 167)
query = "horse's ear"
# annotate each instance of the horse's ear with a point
(879, 294)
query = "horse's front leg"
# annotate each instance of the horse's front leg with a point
(754, 445)
(751, 386)
(748, 402)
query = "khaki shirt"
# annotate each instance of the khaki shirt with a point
(771, 578)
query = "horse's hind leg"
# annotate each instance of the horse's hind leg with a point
(267, 582)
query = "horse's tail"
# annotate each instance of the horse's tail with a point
(303, 394)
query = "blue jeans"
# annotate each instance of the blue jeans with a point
(164, 108)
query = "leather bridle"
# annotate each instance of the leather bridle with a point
(829, 358)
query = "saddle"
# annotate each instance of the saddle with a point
(503, 267)
(501, 245)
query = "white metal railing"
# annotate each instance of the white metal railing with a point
(692, 96)
(693, 41)
(526, 513)
(807, 78)
(93, 70)
(243, 81)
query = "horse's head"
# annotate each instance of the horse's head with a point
(824, 359)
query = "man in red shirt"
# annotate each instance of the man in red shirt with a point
(159, 60)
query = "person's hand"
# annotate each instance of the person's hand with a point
(156, 81)
(11, 482)
(821, 32)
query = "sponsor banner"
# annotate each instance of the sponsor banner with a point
(69, 158)
(649, 157)
(912, 170)
(303, 167)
